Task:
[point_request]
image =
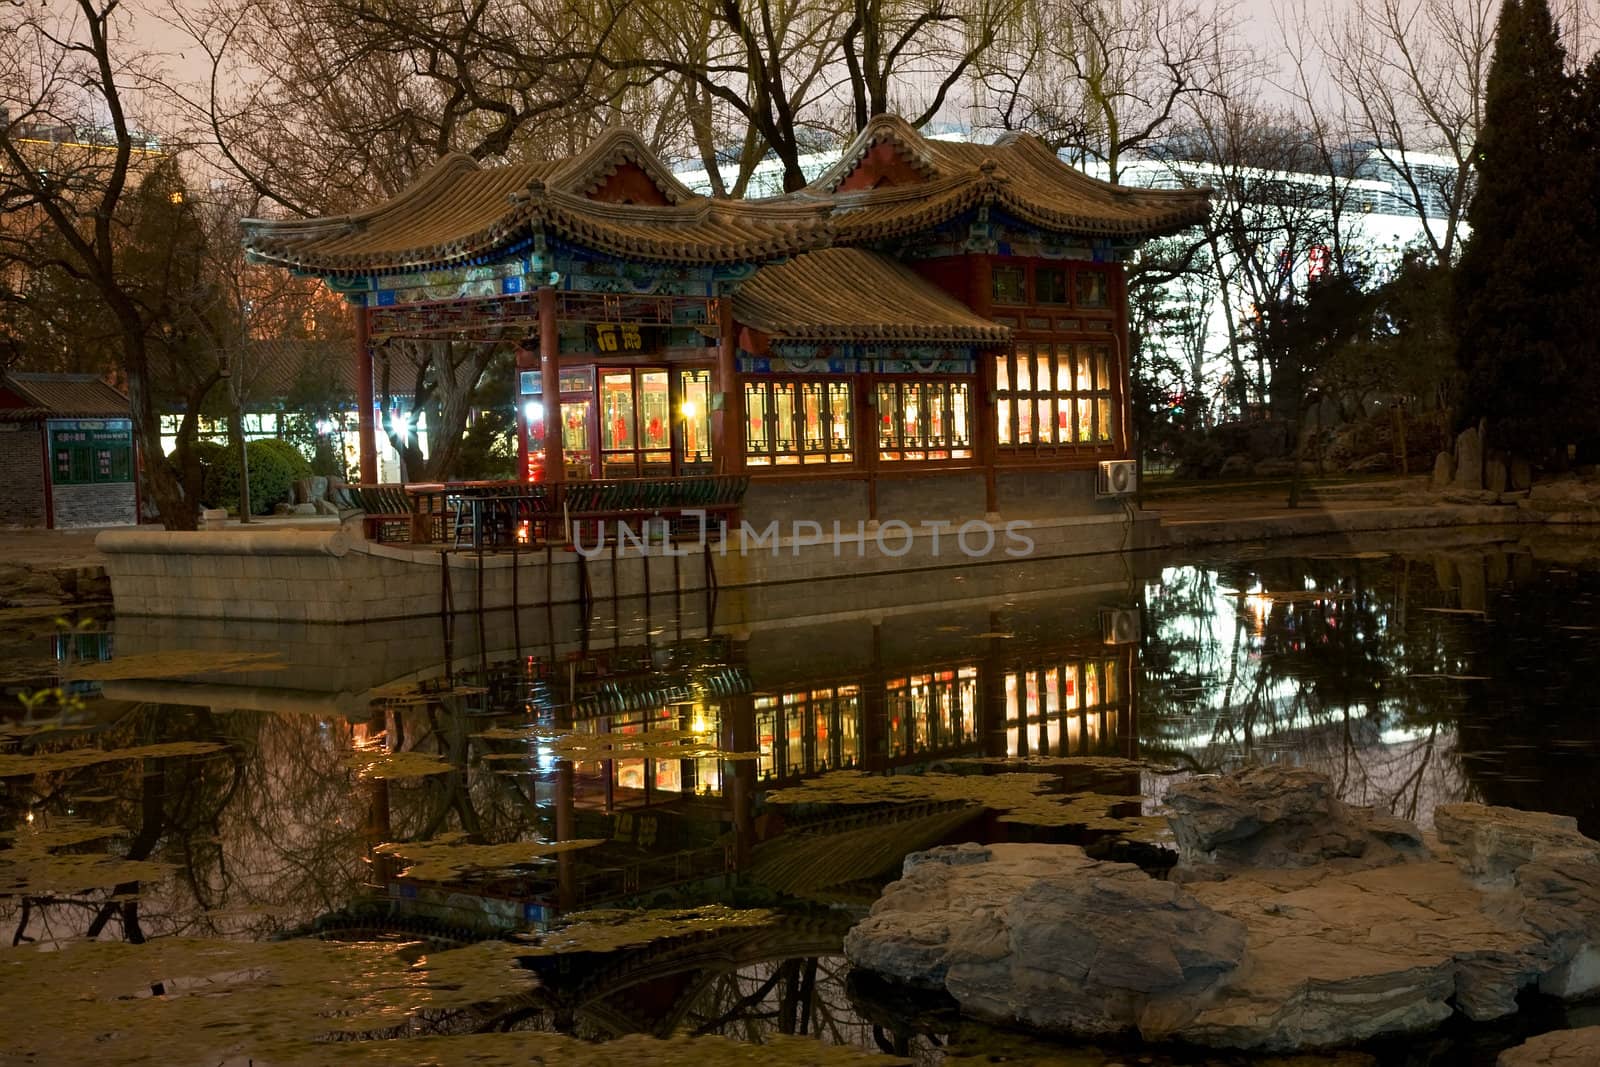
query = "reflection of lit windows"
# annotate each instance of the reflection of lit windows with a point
(932, 712)
(1066, 709)
(808, 732)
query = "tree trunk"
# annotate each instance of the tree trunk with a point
(177, 510)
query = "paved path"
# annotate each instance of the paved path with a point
(57, 549)
(1258, 500)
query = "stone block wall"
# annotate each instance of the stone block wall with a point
(104, 504)
(328, 576)
(1028, 493)
(21, 474)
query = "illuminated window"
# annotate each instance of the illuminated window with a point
(694, 420)
(651, 422)
(797, 421)
(924, 420)
(1051, 398)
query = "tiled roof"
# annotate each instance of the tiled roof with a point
(273, 367)
(63, 395)
(459, 211)
(852, 294)
(1018, 173)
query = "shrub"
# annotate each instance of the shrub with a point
(274, 467)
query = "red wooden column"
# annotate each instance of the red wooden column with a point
(727, 425)
(981, 300)
(366, 416)
(1123, 393)
(555, 465)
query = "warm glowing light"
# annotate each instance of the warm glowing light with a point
(533, 411)
(690, 409)
(1259, 604)
(176, 198)
(522, 533)
(30, 817)
(699, 725)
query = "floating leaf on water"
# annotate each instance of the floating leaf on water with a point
(644, 744)
(31, 865)
(397, 765)
(605, 930)
(1457, 611)
(72, 758)
(408, 693)
(1024, 796)
(1104, 764)
(442, 861)
(1089, 810)
(90, 1002)
(58, 833)
(523, 1047)
(521, 733)
(176, 663)
(994, 635)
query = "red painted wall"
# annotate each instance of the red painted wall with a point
(629, 185)
(882, 165)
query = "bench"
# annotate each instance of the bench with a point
(476, 514)
(385, 509)
(627, 502)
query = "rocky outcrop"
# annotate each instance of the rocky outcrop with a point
(1300, 923)
(1558, 1048)
(1044, 935)
(1279, 817)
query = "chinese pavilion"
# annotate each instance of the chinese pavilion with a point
(929, 328)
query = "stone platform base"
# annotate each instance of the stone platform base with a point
(335, 576)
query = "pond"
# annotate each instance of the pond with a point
(282, 834)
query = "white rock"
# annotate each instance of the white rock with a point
(1310, 924)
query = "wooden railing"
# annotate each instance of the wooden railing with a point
(509, 514)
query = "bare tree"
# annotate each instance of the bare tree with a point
(106, 210)
(1411, 76)
(1103, 81)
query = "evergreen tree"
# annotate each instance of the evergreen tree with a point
(1520, 339)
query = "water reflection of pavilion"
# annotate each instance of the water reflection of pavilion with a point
(1017, 697)
(1005, 666)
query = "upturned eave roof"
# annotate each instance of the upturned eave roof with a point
(459, 212)
(852, 294)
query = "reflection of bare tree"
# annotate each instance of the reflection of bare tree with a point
(1326, 662)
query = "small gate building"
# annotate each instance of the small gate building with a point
(67, 454)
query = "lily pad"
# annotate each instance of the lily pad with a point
(13, 765)
(91, 1002)
(438, 861)
(397, 765)
(177, 663)
(608, 929)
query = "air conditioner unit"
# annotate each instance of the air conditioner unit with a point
(1118, 477)
(1119, 626)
